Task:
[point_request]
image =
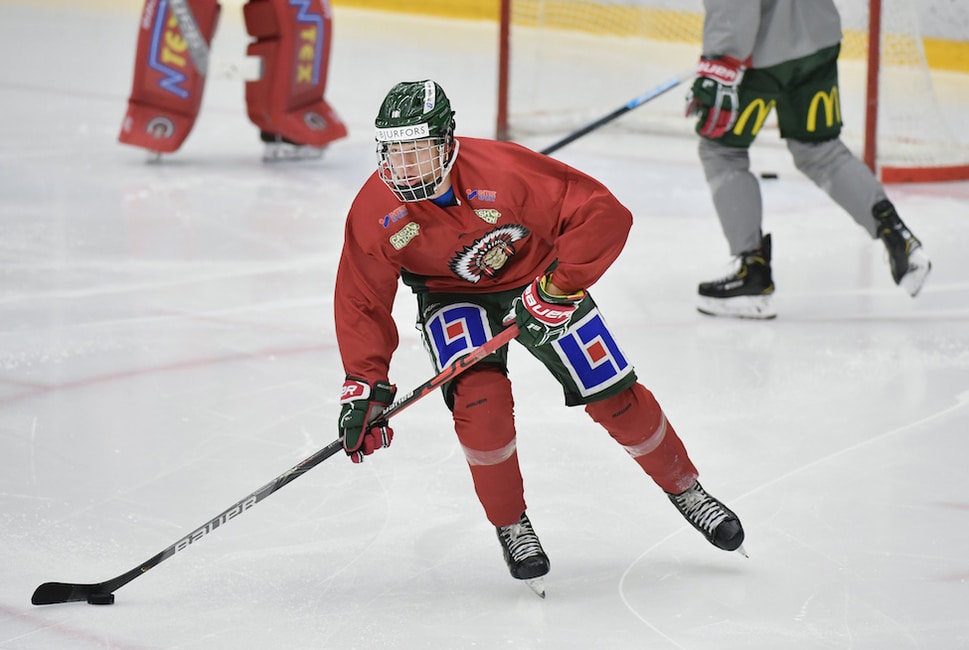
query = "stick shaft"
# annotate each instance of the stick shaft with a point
(198, 49)
(63, 592)
(636, 102)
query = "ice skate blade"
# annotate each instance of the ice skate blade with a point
(537, 585)
(275, 152)
(918, 269)
(753, 307)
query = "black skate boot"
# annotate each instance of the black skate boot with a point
(716, 521)
(745, 293)
(524, 554)
(910, 265)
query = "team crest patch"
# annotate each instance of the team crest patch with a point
(487, 255)
(488, 214)
(404, 236)
(393, 217)
(592, 355)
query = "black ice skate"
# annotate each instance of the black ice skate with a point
(524, 554)
(745, 293)
(910, 265)
(716, 521)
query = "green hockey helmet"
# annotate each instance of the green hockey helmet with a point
(415, 139)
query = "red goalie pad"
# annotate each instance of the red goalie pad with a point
(167, 88)
(293, 40)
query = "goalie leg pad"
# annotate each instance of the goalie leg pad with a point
(636, 421)
(167, 89)
(293, 40)
(484, 421)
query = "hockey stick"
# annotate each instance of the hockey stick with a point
(198, 49)
(649, 95)
(100, 593)
(248, 68)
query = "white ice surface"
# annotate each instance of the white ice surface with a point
(166, 347)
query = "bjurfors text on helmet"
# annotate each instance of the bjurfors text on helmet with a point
(403, 133)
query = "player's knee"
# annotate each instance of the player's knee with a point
(721, 162)
(818, 160)
(629, 415)
(483, 408)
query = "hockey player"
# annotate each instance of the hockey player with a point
(292, 41)
(488, 233)
(783, 55)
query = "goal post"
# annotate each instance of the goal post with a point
(871, 84)
(504, 55)
(564, 63)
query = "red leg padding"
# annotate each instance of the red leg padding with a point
(484, 420)
(293, 38)
(167, 88)
(636, 421)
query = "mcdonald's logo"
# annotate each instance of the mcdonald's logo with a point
(763, 110)
(832, 109)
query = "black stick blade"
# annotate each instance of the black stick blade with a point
(51, 593)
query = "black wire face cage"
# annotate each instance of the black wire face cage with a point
(415, 169)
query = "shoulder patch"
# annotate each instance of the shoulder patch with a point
(481, 195)
(394, 216)
(404, 236)
(489, 215)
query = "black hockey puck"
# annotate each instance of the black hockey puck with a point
(100, 599)
(768, 175)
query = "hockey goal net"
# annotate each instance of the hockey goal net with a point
(566, 63)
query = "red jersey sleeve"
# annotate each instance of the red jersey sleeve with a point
(363, 301)
(593, 226)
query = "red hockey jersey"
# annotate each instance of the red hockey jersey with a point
(518, 211)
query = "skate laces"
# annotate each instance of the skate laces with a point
(737, 267)
(891, 227)
(899, 242)
(701, 509)
(734, 269)
(520, 540)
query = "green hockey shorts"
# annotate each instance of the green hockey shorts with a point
(803, 92)
(586, 361)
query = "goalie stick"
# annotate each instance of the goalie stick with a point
(247, 68)
(101, 592)
(198, 49)
(636, 102)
